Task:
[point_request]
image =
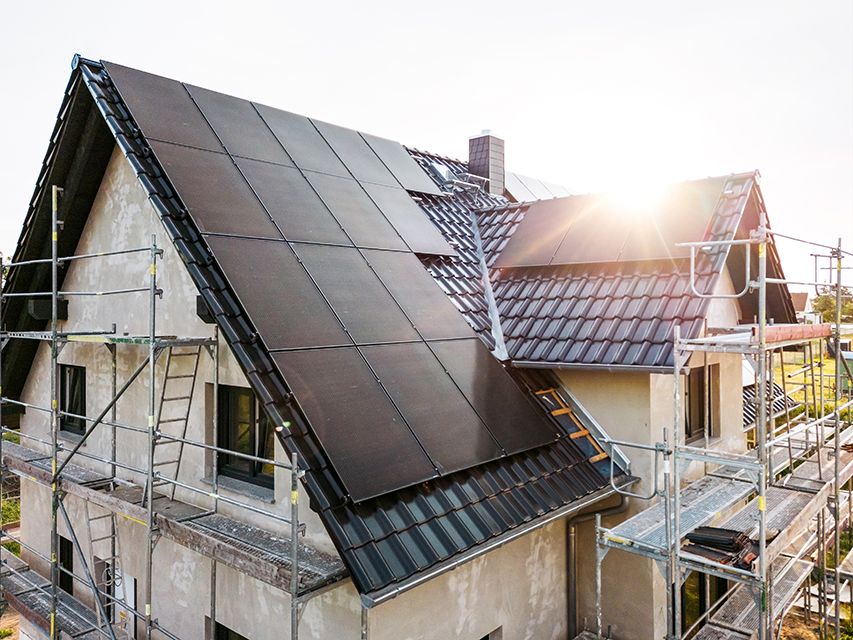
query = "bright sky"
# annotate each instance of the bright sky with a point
(594, 95)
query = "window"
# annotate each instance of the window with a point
(66, 562)
(224, 633)
(698, 594)
(244, 427)
(701, 405)
(72, 398)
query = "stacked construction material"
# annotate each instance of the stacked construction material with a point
(725, 546)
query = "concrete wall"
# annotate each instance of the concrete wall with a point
(636, 407)
(519, 589)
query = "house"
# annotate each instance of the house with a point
(801, 303)
(447, 355)
(292, 305)
(566, 286)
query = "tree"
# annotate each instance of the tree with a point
(824, 304)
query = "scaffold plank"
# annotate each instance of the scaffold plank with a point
(248, 549)
(701, 503)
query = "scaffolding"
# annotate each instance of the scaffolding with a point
(784, 496)
(300, 570)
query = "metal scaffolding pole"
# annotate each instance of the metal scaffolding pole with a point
(150, 538)
(54, 418)
(837, 445)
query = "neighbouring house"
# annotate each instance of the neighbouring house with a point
(447, 347)
(801, 305)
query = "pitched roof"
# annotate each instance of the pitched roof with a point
(214, 168)
(566, 282)
(801, 300)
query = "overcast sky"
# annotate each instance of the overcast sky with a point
(593, 95)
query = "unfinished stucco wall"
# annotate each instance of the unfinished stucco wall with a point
(519, 588)
(181, 582)
(122, 218)
(636, 407)
(633, 593)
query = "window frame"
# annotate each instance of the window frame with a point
(227, 416)
(221, 632)
(68, 424)
(703, 413)
(65, 554)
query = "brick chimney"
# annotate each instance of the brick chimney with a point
(486, 159)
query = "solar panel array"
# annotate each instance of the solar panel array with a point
(315, 232)
(599, 228)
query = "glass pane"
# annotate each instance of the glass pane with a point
(266, 443)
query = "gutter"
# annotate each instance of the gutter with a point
(572, 557)
(383, 595)
(532, 364)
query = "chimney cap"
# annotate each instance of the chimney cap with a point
(483, 134)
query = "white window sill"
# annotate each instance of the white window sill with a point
(243, 488)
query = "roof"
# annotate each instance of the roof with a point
(801, 300)
(214, 168)
(565, 282)
(521, 188)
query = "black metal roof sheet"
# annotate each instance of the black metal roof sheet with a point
(387, 541)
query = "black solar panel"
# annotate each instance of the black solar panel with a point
(369, 445)
(365, 307)
(302, 141)
(450, 431)
(408, 219)
(416, 291)
(402, 165)
(292, 202)
(538, 236)
(356, 154)
(239, 126)
(162, 108)
(214, 191)
(356, 213)
(282, 302)
(504, 407)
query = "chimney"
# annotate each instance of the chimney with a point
(486, 159)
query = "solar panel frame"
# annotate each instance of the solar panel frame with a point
(303, 143)
(237, 124)
(450, 431)
(402, 165)
(162, 108)
(215, 192)
(417, 292)
(368, 443)
(505, 409)
(265, 274)
(408, 220)
(368, 311)
(360, 218)
(361, 161)
(292, 203)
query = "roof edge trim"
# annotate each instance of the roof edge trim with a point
(371, 600)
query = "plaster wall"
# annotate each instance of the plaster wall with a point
(122, 218)
(519, 589)
(626, 405)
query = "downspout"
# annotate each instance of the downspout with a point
(572, 558)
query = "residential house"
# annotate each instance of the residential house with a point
(447, 359)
